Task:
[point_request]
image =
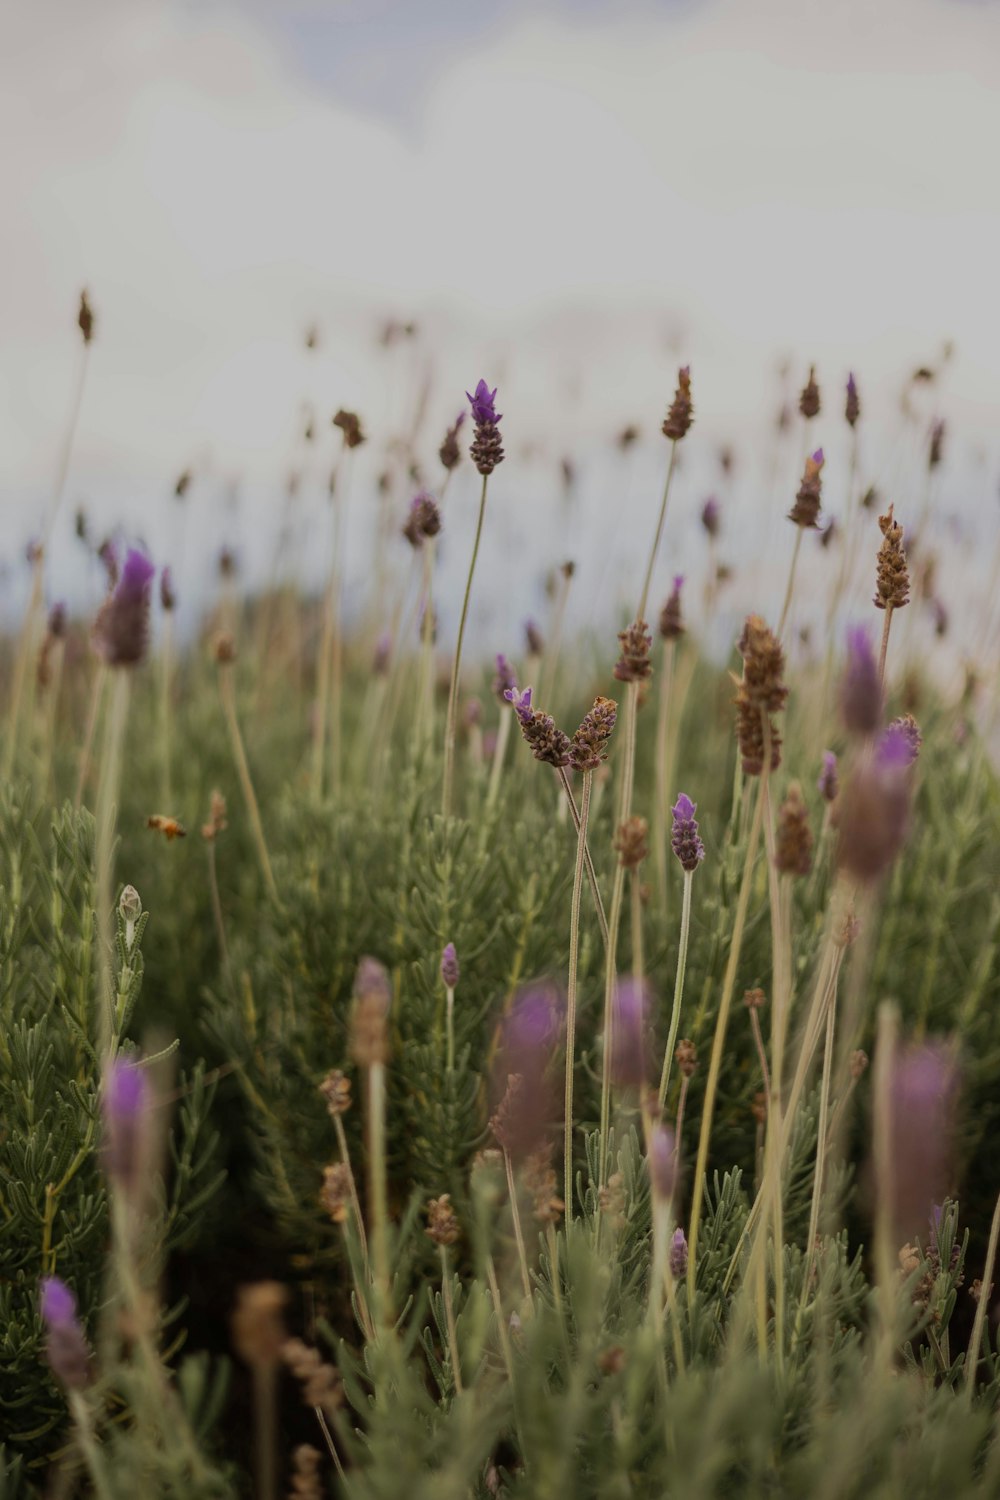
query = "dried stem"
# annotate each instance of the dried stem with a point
(574, 953)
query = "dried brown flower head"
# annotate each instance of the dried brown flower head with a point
(320, 1382)
(809, 397)
(636, 643)
(754, 999)
(258, 1328)
(681, 414)
(793, 839)
(216, 817)
(335, 1194)
(370, 1019)
(540, 1180)
(350, 425)
(590, 742)
(761, 692)
(85, 317)
(686, 1057)
(805, 511)
(630, 842)
(442, 1225)
(892, 580)
(336, 1090)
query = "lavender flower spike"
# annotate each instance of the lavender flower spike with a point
(483, 403)
(124, 1109)
(662, 1163)
(685, 839)
(628, 1049)
(860, 689)
(65, 1348)
(121, 629)
(450, 970)
(678, 1254)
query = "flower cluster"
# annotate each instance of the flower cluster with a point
(486, 450)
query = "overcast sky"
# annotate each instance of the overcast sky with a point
(571, 196)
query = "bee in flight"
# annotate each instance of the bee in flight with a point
(169, 827)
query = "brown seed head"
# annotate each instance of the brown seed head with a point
(85, 317)
(686, 1057)
(258, 1328)
(630, 842)
(793, 840)
(216, 817)
(540, 1180)
(336, 1090)
(442, 1225)
(590, 742)
(754, 999)
(858, 1064)
(335, 1194)
(759, 1107)
(892, 579)
(681, 413)
(224, 649)
(350, 425)
(805, 511)
(320, 1382)
(636, 643)
(809, 398)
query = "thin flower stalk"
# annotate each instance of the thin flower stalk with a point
(329, 668)
(522, 1254)
(887, 1032)
(718, 1043)
(550, 665)
(227, 693)
(790, 586)
(166, 680)
(602, 920)
(571, 996)
(664, 778)
(456, 667)
(819, 1170)
(640, 613)
(26, 649)
(499, 757)
(105, 817)
(675, 1011)
(378, 1192)
(614, 922)
(979, 1323)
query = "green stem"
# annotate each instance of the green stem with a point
(791, 582)
(644, 596)
(107, 798)
(718, 1044)
(449, 732)
(574, 953)
(675, 1013)
(228, 695)
(610, 969)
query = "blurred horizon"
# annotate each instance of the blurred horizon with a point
(571, 200)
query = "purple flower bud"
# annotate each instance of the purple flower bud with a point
(684, 839)
(671, 618)
(852, 406)
(65, 1347)
(125, 1112)
(483, 408)
(504, 682)
(710, 513)
(57, 621)
(678, 1254)
(899, 745)
(628, 1048)
(528, 1036)
(827, 784)
(874, 809)
(449, 966)
(662, 1163)
(860, 689)
(923, 1094)
(521, 702)
(121, 629)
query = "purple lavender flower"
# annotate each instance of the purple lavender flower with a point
(860, 689)
(504, 681)
(125, 1113)
(449, 966)
(852, 405)
(923, 1094)
(684, 839)
(874, 809)
(482, 403)
(121, 629)
(710, 514)
(671, 617)
(662, 1163)
(630, 1005)
(528, 1036)
(520, 701)
(65, 1346)
(678, 1254)
(899, 745)
(827, 784)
